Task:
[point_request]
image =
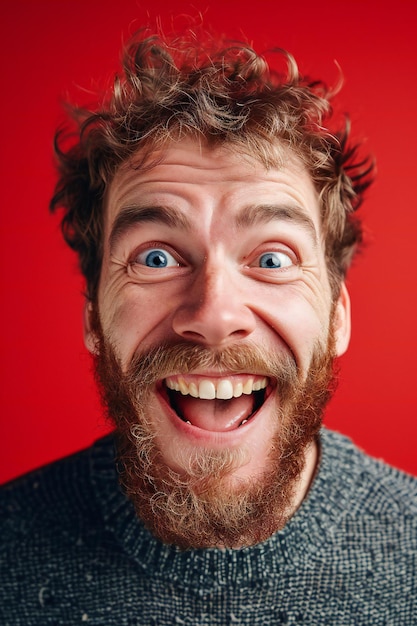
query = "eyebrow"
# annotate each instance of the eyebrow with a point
(264, 213)
(247, 217)
(135, 214)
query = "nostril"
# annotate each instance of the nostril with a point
(212, 338)
(192, 335)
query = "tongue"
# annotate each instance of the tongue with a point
(220, 415)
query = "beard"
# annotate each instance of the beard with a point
(204, 505)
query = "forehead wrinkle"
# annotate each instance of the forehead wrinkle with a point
(134, 214)
(264, 213)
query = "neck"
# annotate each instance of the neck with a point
(307, 476)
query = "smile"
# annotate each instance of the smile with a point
(217, 404)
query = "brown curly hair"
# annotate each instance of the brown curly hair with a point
(172, 89)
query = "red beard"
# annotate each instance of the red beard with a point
(204, 507)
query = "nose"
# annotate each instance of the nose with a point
(214, 311)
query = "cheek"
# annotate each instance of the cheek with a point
(133, 320)
(298, 320)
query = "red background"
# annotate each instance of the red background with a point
(52, 50)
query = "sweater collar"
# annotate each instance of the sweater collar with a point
(302, 539)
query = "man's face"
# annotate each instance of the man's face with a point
(208, 249)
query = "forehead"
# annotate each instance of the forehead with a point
(198, 179)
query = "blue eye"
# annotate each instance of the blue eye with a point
(274, 260)
(156, 258)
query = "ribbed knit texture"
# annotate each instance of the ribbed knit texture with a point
(74, 552)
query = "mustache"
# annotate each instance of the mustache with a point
(162, 360)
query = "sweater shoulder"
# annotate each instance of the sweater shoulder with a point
(377, 487)
(58, 495)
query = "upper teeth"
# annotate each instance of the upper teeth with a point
(222, 389)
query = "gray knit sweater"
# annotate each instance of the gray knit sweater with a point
(74, 552)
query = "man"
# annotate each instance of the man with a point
(212, 207)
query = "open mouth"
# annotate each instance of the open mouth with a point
(216, 404)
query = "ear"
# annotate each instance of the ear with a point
(342, 321)
(90, 337)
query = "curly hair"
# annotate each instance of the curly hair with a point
(220, 94)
